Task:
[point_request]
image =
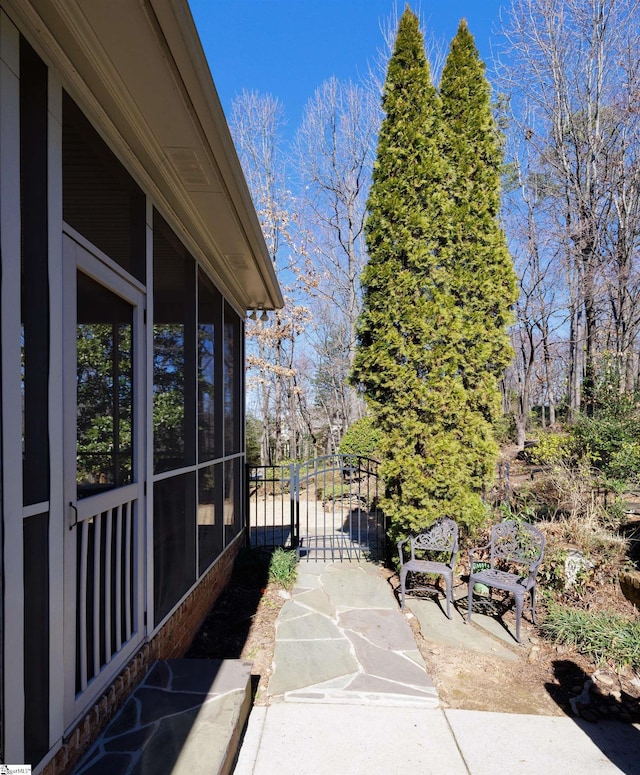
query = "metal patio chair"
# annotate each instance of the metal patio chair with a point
(517, 546)
(441, 537)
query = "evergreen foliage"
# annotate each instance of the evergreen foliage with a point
(427, 375)
(481, 270)
(253, 430)
(482, 278)
(362, 438)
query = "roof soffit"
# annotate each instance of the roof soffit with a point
(138, 67)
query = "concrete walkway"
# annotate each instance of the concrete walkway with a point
(349, 694)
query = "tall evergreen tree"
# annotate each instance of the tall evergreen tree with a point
(481, 271)
(409, 335)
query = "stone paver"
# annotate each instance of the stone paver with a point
(484, 634)
(342, 639)
(356, 587)
(383, 628)
(299, 664)
(182, 719)
(389, 664)
(318, 600)
(308, 626)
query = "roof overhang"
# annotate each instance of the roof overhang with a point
(137, 69)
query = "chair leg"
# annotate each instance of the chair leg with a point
(533, 605)
(448, 583)
(403, 579)
(469, 599)
(519, 606)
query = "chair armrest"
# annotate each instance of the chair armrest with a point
(534, 567)
(478, 549)
(400, 545)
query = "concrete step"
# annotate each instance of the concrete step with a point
(185, 718)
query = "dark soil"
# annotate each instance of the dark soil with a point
(241, 624)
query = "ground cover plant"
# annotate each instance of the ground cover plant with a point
(607, 637)
(283, 568)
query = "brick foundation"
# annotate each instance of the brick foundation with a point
(170, 642)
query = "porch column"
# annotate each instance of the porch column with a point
(12, 550)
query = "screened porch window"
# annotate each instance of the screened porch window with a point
(198, 383)
(105, 389)
(209, 325)
(174, 309)
(233, 381)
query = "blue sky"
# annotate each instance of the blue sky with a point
(287, 48)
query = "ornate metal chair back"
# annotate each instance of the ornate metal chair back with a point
(442, 536)
(517, 542)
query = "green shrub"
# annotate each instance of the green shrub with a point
(253, 429)
(552, 575)
(608, 400)
(361, 438)
(606, 637)
(609, 444)
(332, 491)
(504, 429)
(552, 448)
(615, 513)
(282, 568)
(624, 465)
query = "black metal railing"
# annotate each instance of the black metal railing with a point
(325, 508)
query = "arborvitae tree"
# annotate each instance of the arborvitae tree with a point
(410, 330)
(481, 271)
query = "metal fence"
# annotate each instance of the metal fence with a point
(326, 508)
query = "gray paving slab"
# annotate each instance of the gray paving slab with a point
(290, 610)
(366, 689)
(343, 640)
(383, 628)
(553, 745)
(297, 664)
(318, 600)
(308, 576)
(388, 664)
(185, 718)
(355, 587)
(371, 684)
(311, 739)
(310, 625)
(481, 635)
(494, 625)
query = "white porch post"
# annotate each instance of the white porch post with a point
(12, 550)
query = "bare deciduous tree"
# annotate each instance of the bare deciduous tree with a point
(574, 98)
(334, 149)
(256, 123)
